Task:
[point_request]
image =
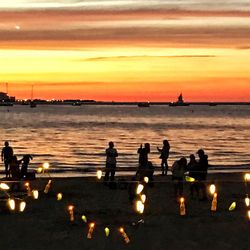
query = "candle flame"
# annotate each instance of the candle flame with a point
(182, 199)
(45, 165)
(107, 231)
(12, 204)
(139, 189)
(70, 207)
(84, 218)
(143, 198)
(146, 179)
(22, 206)
(247, 201)
(99, 174)
(59, 196)
(35, 194)
(39, 170)
(139, 207)
(247, 177)
(4, 186)
(232, 206)
(121, 229)
(189, 179)
(212, 189)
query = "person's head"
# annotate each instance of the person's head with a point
(192, 157)
(111, 144)
(6, 144)
(201, 152)
(183, 161)
(147, 146)
(165, 143)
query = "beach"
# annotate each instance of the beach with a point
(45, 223)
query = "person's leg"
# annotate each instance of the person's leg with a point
(6, 165)
(107, 171)
(112, 171)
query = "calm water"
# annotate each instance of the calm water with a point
(76, 137)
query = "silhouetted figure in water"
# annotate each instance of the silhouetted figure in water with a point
(6, 155)
(164, 156)
(202, 172)
(143, 159)
(14, 168)
(178, 169)
(192, 167)
(25, 163)
(111, 154)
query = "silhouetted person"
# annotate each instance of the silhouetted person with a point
(143, 158)
(164, 156)
(111, 154)
(178, 169)
(14, 168)
(202, 172)
(192, 167)
(6, 155)
(25, 163)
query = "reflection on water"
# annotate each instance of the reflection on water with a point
(70, 136)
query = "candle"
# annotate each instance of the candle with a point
(35, 194)
(91, 229)
(4, 186)
(46, 190)
(146, 179)
(84, 218)
(247, 201)
(247, 177)
(214, 203)
(39, 170)
(71, 212)
(46, 165)
(124, 235)
(139, 188)
(143, 198)
(99, 174)
(182, 206)
(22, 206)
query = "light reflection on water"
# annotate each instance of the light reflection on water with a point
(70, 136)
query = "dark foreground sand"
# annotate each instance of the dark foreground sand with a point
(45, 222)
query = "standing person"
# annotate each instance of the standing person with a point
(202, 172)
(14, 168)
(143, 159)
(111, 154)
(192, 167)
(178, 169)
(7, 155)
(25, 163)
(164, 156)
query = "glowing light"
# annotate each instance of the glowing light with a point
(146, 179)
(59, 196)
(248, 214)
(189, 179)
(143, 198)
(46, 165)
(99, 174)
(35, 194)
(27, 185)
(214, 203)
(17, 27)
(39, 170)
(12, 204)
(139, 189)
(182, 206)
(46, 190)
(91, 229)
(107, 231)
(247, 177)
(22, 206)
(232, 206)
(247, 201)
(71, 213)
(84, 218)
(212, 189)
(139, 207)
(124, 235)
(4, 186)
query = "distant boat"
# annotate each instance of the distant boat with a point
(76, 104)
(32, 103)
(144, 104)
(212, 104)
(179, 102)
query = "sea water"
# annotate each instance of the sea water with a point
(75, 137)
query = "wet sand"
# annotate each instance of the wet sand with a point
(45, 222)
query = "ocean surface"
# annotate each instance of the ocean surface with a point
(74, 138)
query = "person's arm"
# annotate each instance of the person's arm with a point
(160, 150)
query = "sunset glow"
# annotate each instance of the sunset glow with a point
(126, 50)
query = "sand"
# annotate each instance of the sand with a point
(45, 222)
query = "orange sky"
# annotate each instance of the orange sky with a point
(130, 53)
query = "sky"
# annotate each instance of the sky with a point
(124, 50)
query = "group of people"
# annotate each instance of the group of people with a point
(12, 164)
(197, 168)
